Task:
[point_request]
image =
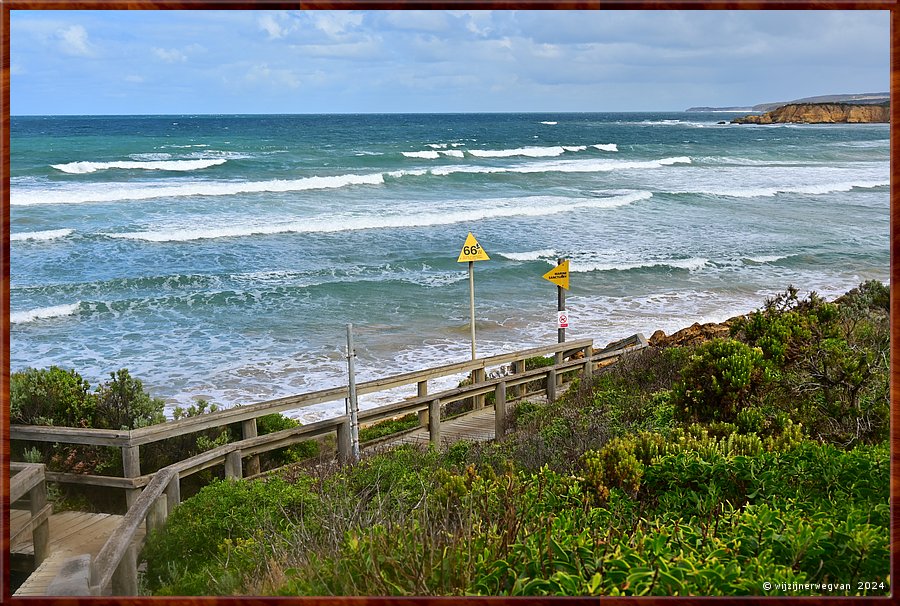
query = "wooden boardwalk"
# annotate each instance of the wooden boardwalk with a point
(72, 533)
(475, 426)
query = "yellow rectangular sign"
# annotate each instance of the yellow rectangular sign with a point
(559, 275)
(472, 251)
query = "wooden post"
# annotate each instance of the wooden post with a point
(551, 385)
(233, 468)
(588, 364)
(558, 358)
(124, 581)
(518, 367)
(249, 430)
(173, 493)
(500, 410)
(434, 422)
(352, 401)
(156, 516)
(343, 441)
(421, 391)
(40, 535)
(131, 466)
(478, 377)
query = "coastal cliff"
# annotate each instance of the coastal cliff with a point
(821, 113)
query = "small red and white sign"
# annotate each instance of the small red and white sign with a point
(562, 319)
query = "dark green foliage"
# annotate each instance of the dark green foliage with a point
(718, 381)
(283, 456)
(828, 361)
(51, 396)
(391, 426)
(539, 362)
(122, 403)
(57, 397)
(871, 295)
(219, 534)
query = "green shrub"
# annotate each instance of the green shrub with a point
(718, 381)
(63, 398)
(122, 403)
(194, 554)
(539, 362)
(388, 427)
(289, 454)
(51, 396)
(871, 295)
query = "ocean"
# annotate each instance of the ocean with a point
(221, 257)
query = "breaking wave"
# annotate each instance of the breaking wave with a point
(80, 168)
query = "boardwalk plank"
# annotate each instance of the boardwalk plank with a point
(72, 533)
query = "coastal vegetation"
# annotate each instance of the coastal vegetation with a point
(58, 397)
(752, 464)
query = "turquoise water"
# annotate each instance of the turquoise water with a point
(223, 256)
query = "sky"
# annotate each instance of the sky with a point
(259, 62)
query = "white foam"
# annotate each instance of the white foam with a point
(566, 166)
(80, 168)
(607, 147)
(43, 313)
(767, 258)
(530, 152)
(155, 156)
(453, 153)
(767, 192)
(50, 234)
(531, 255)
(549, 123)
(692, 264)
(531, 206)
(423, 155)
(124, 191)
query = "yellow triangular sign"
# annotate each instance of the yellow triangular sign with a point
(559, 275)
(472, 251)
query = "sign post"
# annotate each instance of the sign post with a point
(352, 403)
(559, 275)
(471, 252)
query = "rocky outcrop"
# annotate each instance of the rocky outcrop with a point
(692, 335)
(821, 113)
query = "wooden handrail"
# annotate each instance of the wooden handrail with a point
(161, 431)
(126, 440)
(29, 479)
(115, 550)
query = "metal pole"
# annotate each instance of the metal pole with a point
(353, 404)
(472, 302)
(561, 306)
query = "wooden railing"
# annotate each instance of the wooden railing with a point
(130, 441)
(114, 570)
(28, 480)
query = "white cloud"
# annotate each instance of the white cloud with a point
(336, 23)
(73, 40)
(270, 24)
(171, 55)
(262, 73)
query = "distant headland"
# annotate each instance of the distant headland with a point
(821, 113)
(856, 99)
